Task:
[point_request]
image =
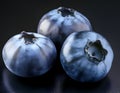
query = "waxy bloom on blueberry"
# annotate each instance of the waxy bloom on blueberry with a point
(86, 56)
(57, 24)
(29, 54)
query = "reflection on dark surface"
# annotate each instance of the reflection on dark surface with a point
(102, 86)
(14, 84)
(51, 84)
(59, 82)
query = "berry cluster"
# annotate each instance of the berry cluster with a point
(85, 55)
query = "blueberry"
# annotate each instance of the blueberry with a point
(57, 24)
(86, 56)
(29, 54)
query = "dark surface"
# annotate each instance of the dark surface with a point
(16, 16)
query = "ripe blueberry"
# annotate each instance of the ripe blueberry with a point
(57, 24)
(29, 54)
(86, 56)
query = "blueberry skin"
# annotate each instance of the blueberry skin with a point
(86, 56)
(58, 23)
(29, 54)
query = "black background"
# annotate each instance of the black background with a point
(18, 15)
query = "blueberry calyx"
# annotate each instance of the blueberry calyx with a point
(95, 51)
(28, 38)
(66, 11)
